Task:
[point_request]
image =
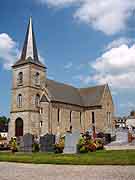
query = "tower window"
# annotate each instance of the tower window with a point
(93, 118)
(37, 78)
(19, 101)
(37, 100)
(58, 115)
(20, 78)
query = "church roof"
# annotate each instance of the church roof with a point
(29, 52)
(64, 93)
(85, 97)
(92, 96)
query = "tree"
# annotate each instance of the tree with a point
(4, 123)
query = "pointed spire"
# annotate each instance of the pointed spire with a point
(29, 48)
(29, 52)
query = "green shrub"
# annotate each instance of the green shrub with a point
(83, 149)
(35, 147)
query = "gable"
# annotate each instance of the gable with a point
(44, 99)
(92, 96)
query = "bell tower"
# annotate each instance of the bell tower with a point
(29, 78)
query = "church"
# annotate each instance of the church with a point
(40, 105)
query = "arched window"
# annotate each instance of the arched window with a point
(37, 100)
(20, 78)
(19, 100)
(37, 78)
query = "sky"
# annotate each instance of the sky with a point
(82, 43)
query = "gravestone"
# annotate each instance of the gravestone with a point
(27, 142)
(47, 143)
(21, 144)
(122, 136)
(71, 141)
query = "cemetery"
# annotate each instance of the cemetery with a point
(73, 148)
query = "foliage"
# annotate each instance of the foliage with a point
(60, 146)
(99, 143)
(4, 120)
(35, 147)
(86, 144)
(13, 145)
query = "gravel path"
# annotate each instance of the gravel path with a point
(13, 171)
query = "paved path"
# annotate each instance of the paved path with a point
(13, 171)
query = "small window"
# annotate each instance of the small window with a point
(41, 110)
(58, 115)
(93, 118)
(20, 78)
(37, 100)
(80, 118)
(70, 117)
(37, 78)
(19, 101)
(41, 124)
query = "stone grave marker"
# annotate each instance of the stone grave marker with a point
(71, 141)
(122, 136)
(27, 142)
(47, 143)
(21, 144)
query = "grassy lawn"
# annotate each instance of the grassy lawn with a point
(125, 157)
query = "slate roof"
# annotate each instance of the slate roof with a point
(85, 97)
(92, 96)
(29, 52)
(63, 93)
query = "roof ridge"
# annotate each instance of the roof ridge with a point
(62, 83)
(93, 86)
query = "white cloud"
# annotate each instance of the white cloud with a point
(8, 50)
(108, 16)
(118, 42)
(84, 79)
(59, 3)
(68, 65)
(116, 67)
(128, 105)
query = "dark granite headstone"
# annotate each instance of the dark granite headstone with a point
(47, 143)
(107, 138)
(27, 142)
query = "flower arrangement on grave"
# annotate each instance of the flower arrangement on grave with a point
(13, 145)
(87, 144)
(58, 148)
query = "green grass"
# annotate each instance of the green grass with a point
(123, 157)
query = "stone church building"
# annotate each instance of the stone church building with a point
(40, 105)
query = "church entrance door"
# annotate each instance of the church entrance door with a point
(18, 127)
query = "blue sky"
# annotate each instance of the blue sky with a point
(82, 42)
